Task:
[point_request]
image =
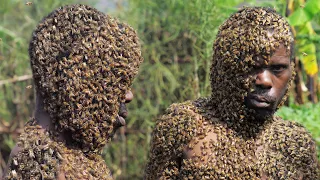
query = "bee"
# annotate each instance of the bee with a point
(15, 162)
(29, 87)
(79, 106)
(29, 3)
(14, 174)
(31, 153)
(51, 151)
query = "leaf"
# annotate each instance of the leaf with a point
(306, 29)
(308, 58)
(299, 17)
(304, 14)
(312, 6)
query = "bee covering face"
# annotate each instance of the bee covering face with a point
(83, 64)
(251, 39)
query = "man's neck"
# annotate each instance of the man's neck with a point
(41, 116)
(43, 119)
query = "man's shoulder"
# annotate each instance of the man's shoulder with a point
(289, 125)
(178, 124)
(292, 131)
(33, 154)
(186, 107)
(28, 138)
(180, 113)
(296, 145)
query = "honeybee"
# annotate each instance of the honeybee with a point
(14, 174)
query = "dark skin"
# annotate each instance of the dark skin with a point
(45, 122)
(270, 85)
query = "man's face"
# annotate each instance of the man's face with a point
(270, 83)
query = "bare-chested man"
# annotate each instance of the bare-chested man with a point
(83, 64)
(234, 134)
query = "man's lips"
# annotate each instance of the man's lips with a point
(120, 121)
(259, 101)
(260, 98)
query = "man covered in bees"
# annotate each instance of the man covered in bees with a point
(83, 64)
(234, 134)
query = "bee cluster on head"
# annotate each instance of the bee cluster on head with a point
(83, 62)
(247, 35)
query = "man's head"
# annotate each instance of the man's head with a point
(251, 67)
(83, 64)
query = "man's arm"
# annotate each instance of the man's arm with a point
(303, 151)
(310, 169)
(169, 137)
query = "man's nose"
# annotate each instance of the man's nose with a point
(264, 80)
(129, 97)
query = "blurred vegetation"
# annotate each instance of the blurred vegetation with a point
(177, 40)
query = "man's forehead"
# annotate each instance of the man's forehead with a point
(280, 55)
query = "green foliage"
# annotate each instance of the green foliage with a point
(305, 13)
(301, 19)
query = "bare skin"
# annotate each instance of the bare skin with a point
(270, 82)
(45, 122)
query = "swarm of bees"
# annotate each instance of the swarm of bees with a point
(244, 148)
(38, 156)
(83, 63)
(42, 157)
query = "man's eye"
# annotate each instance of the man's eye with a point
(278, 68)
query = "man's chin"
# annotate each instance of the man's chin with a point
(259, 109)
(262, 114)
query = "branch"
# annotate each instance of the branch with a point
(15, 79)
